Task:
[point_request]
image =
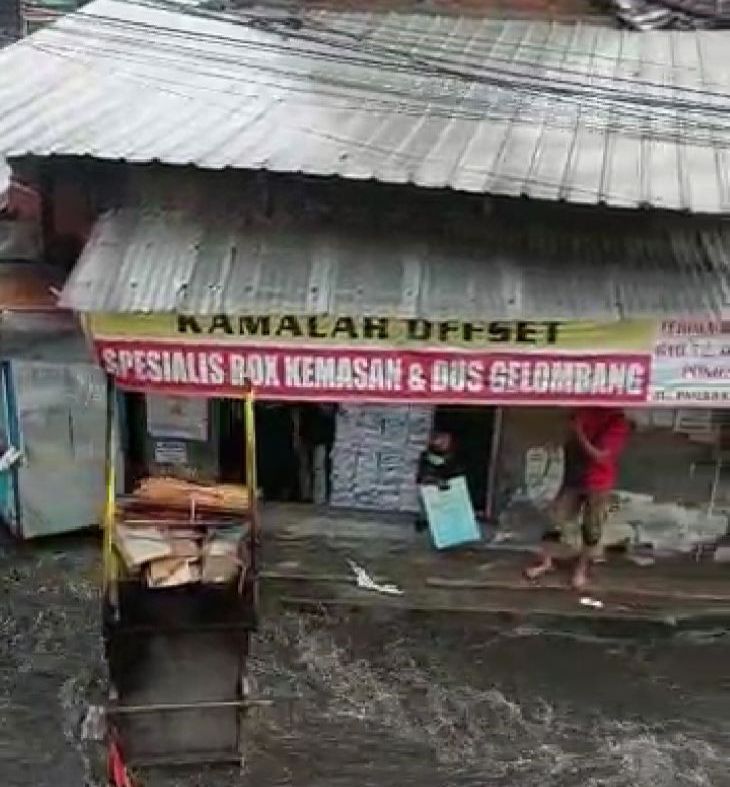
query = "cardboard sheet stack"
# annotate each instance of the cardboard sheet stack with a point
(375, 456)
(199, 538)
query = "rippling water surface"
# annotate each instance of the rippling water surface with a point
(411, 701)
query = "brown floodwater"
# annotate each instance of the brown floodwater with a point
(379, 700)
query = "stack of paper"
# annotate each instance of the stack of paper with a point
(222, 557)
(168, 558)
(172, 572)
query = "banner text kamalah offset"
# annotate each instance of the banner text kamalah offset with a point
(363, 329)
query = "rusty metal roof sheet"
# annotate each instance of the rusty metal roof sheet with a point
(556, 112)
(145, 262)
(19, 239)
(32, 325)
(29, 286)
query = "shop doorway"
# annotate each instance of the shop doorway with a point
(294, 446)
(472, 429)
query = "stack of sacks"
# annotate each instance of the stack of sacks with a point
(375, 456)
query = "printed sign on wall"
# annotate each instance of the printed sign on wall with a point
(691, 364)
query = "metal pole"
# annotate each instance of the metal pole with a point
(715, 483)
(493, 457)
(252, 484)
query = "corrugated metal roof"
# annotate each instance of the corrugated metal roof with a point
(178, 261)
(577, 113)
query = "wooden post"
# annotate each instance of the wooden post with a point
(252, 484)
(250, 427)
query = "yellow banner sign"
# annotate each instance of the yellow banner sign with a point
(377, 331)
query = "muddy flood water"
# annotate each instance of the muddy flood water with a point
(417, 701)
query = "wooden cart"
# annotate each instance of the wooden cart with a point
(177, 655)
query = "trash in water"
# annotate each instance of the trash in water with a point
(722, 554)
(366, 582)
(587, 601)
(642, 560)
(93, 727)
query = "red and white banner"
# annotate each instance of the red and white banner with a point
(376, 375)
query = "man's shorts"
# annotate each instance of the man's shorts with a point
(589, 509)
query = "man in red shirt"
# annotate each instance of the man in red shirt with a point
(591, 464)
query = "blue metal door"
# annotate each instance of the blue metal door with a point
(9, 512)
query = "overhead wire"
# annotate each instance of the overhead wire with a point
(578, 93)
(284, 28)
(312, 14)
(435, 105)
(327, 87)
(488, 173)
(580, 89)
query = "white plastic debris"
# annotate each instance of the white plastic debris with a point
(644, 561)
(722, 554)
(9, 458)
(587, 601)
(366, 582)
(93, 726)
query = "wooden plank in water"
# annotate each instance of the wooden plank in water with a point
(597, 589)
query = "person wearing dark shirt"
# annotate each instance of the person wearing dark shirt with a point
(436, 466)
(591, 467)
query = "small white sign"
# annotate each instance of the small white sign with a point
(168, 452)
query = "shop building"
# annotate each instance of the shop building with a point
(358, 348)
(526, 251)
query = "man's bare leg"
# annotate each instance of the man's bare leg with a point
(563, 509)
(594, 515)
(581, 574)
(544, 565)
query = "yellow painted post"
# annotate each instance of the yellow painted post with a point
(109, 519)
(250, 429)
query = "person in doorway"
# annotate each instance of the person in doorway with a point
(598, 436)
(436, 465)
